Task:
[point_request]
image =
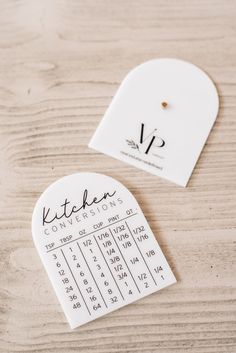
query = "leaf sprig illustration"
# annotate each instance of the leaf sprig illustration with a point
(132, 144)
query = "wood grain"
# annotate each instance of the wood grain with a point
(60, 64)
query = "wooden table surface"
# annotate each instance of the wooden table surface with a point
(61, 62)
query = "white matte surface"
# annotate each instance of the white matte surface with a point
(98, 250)
(184, 125)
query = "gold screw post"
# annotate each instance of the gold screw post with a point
(164, 105)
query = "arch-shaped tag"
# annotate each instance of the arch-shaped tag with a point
(160, 118)
(96, 246)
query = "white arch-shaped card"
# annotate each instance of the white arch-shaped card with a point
(96, 246)
(160, 118)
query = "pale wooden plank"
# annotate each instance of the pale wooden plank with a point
(60, 64)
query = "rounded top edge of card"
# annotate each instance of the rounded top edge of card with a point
(178, 73)
(75, 193)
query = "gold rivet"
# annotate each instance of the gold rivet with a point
(164, 104)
